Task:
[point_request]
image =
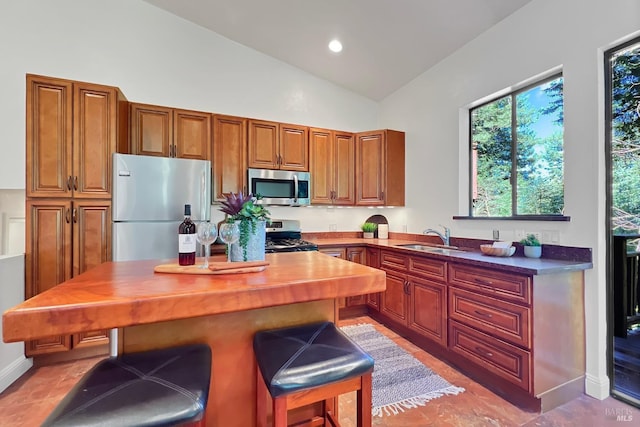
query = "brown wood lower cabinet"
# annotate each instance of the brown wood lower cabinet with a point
(519, 335)
(373, 260)
(428, 309)
(500, 358)
(356, 305)
(416, 295)
(64, 238)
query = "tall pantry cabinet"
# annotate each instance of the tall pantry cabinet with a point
(73, 128)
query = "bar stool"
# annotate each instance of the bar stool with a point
(307, 364)
(164, 387)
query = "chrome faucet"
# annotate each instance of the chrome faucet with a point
(445, 237)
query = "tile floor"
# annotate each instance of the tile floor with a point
(28, 401)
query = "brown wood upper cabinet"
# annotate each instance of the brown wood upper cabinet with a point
(229, 155)
(169, 132)
(380, 168)
(332, 167)
(72, 130)
(273, 145)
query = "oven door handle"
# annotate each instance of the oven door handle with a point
(295, 188)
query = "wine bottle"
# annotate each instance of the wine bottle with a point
(187, 239)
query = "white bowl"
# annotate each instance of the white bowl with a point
(493, 251)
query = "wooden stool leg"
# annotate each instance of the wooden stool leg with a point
(261, 400)
(280, 411)
(364, 401)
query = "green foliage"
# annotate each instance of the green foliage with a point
(625, 135)
(245, 210)
(369, 227)
(530, 240)
(539, 170)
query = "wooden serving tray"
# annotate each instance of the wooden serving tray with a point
(214, 268)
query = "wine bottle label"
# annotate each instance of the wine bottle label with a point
(186, 243)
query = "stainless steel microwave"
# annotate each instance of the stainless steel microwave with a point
(278, 187)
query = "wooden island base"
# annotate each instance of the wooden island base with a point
(230, 336)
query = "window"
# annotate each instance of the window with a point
(517, 163)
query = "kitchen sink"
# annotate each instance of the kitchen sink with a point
(445, 250)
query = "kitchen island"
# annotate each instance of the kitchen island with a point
(156, 310)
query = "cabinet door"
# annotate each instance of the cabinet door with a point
(334, 252)
(47, 258)
(428, 309)
(358, 255)
(91, 234)
(49, 137)
(393, 301)
(151, 130)
(344, 155)
(229, 155)
(370, 164)
(373, 260)
(321, 166)
(191, 134)
(394, 177)
(91, 247)
(95, 134)
(263, 144)
(294, 148)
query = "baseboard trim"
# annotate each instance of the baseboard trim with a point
(14, 371)
(597, 387)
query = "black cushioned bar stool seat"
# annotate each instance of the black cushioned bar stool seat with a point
(292, 361)
(164, 387)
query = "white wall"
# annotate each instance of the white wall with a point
(432, 109)
(157, 58)
(12, 360)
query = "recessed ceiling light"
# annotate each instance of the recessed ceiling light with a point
(335, 46)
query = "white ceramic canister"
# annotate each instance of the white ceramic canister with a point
(383, 231)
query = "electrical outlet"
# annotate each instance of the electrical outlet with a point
(333, 227)
(546, 236)
(496, 234)
(554, 236)
(519, 234)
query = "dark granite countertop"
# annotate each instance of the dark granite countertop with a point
(555, 259)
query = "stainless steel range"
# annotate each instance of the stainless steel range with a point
(285, 235)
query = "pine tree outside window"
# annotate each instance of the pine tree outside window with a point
(517, 162)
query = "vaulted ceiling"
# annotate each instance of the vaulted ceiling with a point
(387, 43)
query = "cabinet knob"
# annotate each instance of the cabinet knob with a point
(483, 282)
(484, 352)
(483, 314)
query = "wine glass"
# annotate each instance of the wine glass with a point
(229, 234)
(206, 233)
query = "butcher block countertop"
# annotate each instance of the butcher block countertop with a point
(121, 294)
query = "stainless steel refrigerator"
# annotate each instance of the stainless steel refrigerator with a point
(149, 194)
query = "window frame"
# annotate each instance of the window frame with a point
(514, 164)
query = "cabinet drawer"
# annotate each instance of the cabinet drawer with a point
(430, 268)
(502, 359)
(394, 261)
(500, 318)
(513, 287)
